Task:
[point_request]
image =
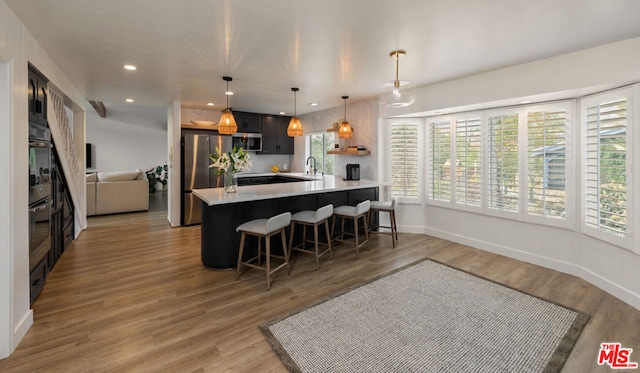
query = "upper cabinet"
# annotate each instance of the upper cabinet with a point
(37, 96)
(247, 122)
(274, 135)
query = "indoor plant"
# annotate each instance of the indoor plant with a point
(157, 174)
(229, 164)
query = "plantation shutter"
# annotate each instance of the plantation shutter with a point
(606, 167)
(503, 178)
(404, 160)
(468, 176)
(440, 168)
(546, 171)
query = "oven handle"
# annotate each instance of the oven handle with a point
(42, 206)
(40, 144)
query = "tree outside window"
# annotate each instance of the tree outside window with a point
(319, 144)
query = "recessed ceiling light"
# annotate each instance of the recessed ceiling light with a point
(282, 113)
(129, 100)
(129, 67)
(228, 93)
(210, 104)
(314, 104)
(526, 101)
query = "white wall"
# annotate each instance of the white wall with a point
(17, 48)
(128, 138)
(609, 267)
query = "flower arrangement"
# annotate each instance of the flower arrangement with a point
(229, 164)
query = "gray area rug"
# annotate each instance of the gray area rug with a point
(427, 317)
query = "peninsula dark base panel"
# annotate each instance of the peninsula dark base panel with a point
(219, 239)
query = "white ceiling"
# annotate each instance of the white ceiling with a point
(327, 48)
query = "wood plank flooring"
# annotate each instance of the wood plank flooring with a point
(130, 295)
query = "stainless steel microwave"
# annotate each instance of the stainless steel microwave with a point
(248, 141)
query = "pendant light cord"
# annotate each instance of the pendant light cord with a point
(397, 82)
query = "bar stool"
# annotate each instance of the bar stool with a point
(312, 219)
(389, 207)
(355, 213)
(264, 228)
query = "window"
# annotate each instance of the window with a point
(502, 146)
(319, 144)
(404, 160)
(468, 175)
(546, 161)
(605, 170)
(439, 166)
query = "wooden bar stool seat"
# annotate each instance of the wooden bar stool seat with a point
(312, 219)
(390, 208)
(353, 213)
(264, 228)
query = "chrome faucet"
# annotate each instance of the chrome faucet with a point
(314, 163)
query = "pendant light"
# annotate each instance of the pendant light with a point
(227, 124)
(344, 132)
(295, 127)
(397, 93)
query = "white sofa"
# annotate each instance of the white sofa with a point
(116, 192)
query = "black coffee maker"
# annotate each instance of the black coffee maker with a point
(353, 171)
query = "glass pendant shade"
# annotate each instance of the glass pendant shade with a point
(295, 127)
(345, 132)
(397, 93)
(227, 124)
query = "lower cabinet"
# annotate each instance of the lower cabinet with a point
(37, 278)
(62, 231)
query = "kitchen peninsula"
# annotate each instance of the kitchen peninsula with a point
(222, 213)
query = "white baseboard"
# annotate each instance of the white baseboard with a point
(610, 287)
(22, 327)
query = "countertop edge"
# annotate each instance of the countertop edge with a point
(216, 196)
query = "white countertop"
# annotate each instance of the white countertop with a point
(314, 184)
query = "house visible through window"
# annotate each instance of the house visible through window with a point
(605, 170)
(547, 145)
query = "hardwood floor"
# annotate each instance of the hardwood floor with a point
(131, 295)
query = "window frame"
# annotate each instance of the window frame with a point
(626, 242)
(428, 159)
(487, 208)
(454, 150)
(419, 123)
(569, 174)
(307, 150)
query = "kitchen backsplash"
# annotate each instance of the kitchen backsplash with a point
(264, 162)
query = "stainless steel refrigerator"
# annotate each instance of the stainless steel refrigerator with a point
(196, 173)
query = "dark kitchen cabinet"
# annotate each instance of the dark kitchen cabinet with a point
(62, 216)
(37, 96)
(62, 229)
(247, 122)
(274, 135)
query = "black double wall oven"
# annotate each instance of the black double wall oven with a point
(40, 193)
